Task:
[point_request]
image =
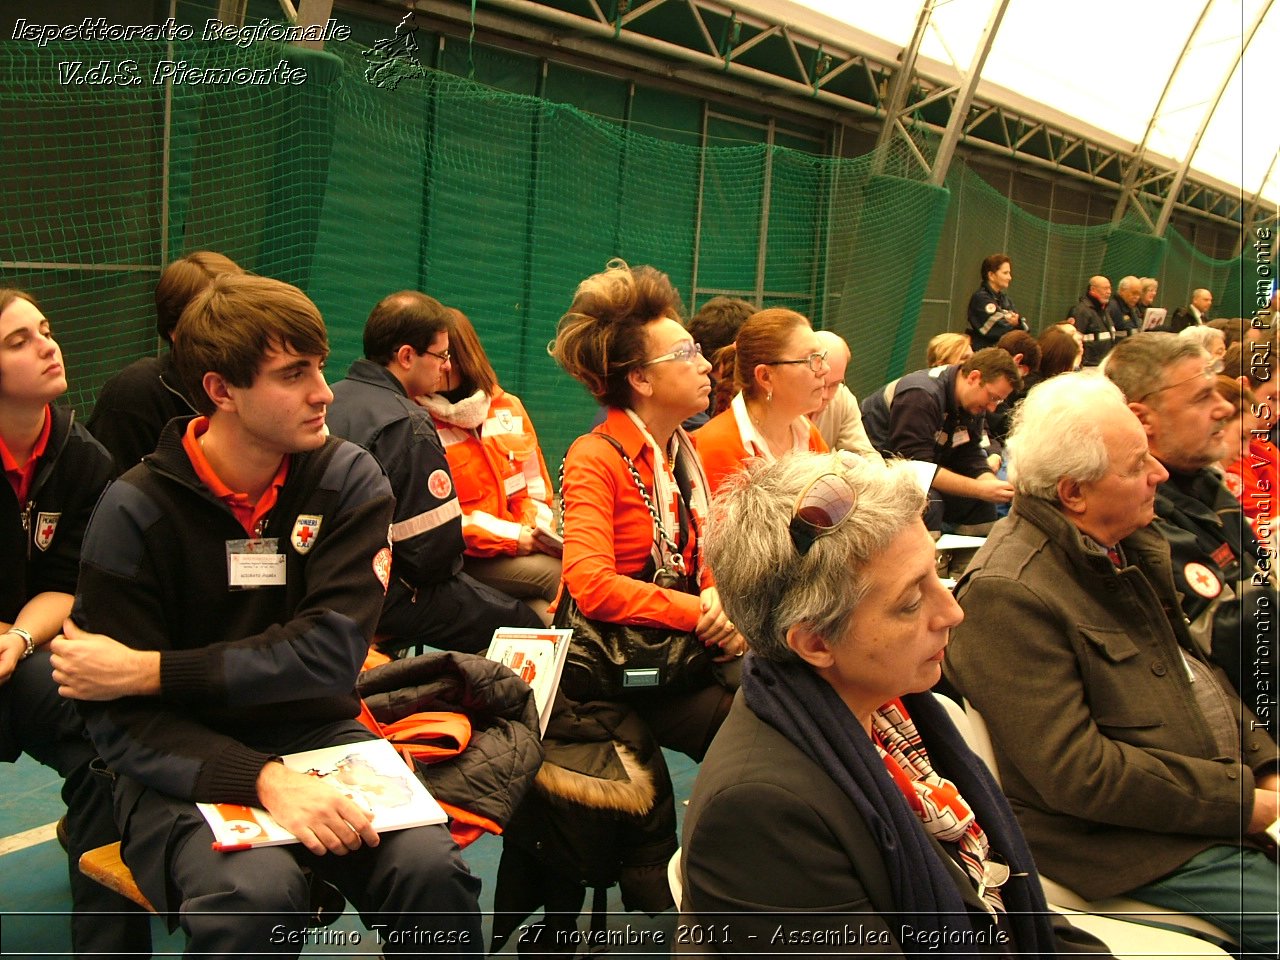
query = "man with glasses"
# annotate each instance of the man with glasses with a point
(939, 416)
(1222, 573)
(1123, 751)
(430, 600)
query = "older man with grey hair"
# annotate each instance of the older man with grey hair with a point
(839, 419)
(1123, 307)
(1222, 573)
(1119, 744)
(1092, 322)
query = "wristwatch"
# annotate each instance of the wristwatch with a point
(26, 639)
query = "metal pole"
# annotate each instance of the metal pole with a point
(1131, 174)
(964, 98)
(900, 85)
(1180, 177)
(763, 241)
(697, 224)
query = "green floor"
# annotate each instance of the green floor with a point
(33, 880)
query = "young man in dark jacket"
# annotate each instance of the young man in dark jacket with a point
(55, 472)
(244, 565)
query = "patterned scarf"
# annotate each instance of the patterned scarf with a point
(806, 710)
(667, 493)
(935, 799)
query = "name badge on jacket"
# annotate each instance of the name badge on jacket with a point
(255, 563)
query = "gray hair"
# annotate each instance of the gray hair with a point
(1137, 365)
(1205, 336)
(1126, 283)
(765, 585)
(1057, 432)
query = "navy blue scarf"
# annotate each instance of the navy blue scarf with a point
(806, 710)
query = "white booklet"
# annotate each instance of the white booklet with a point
(536, 657)
(1154, 317)
(370, 772)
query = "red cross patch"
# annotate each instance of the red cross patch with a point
(46, 526)
(440, 484)
(1201, 579)
(305, 530)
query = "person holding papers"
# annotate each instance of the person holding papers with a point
(242, 568)
(939, 416)
(635, 506)
(499, 473)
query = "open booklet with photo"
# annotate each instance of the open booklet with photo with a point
(536, 657)
(371, 773)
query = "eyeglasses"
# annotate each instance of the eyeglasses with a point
(822, 506)
(1211, 370)
(813, 360)
(442, 356)
(991, 397)
(685, 351)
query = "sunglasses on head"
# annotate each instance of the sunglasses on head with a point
(825, 503)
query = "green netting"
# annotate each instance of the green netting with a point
(104, 182)
(494, 201)
(1053, 261)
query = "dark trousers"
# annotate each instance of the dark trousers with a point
(36, 721)
(413, 890)
(459, 614)
(948, 512)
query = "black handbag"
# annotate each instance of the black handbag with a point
(609, 661)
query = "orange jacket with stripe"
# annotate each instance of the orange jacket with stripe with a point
(497, 466)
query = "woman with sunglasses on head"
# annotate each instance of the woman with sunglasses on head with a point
(499, 473)
(780, 370)
(838, 796)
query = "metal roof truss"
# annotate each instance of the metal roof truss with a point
(712, 41)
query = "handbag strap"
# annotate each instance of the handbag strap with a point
(659, 530)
